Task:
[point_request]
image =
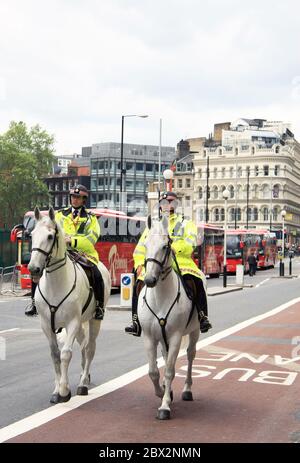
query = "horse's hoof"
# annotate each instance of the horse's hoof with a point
(54, 398)
(163, 414)
(187, 395)
(82, 390)
(64, 398)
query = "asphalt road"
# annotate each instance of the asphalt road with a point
(26, 373)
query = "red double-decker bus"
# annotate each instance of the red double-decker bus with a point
(119, 235)
(241, 243)
(209, 255)
(268, 251)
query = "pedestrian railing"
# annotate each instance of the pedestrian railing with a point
(9, 280)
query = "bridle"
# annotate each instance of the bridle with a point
(49, 254)
(163, 271)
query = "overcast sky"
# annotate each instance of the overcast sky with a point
(76, 66)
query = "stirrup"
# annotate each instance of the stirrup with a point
(134, 329)
(205, 324)
(99, 313)
(30, 309)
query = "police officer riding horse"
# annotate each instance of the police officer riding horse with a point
(183, 234)
(82, 231)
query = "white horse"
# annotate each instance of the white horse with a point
(64, 299)
(165, 314)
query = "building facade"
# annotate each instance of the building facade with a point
(258, 161)
(140, 167)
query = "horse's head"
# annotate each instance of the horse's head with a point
(158, 250)
(44, 238)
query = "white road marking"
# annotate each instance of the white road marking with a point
(40, 418)
(7, 331)
(262, 282)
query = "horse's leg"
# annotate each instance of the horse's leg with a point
(151, 349)
(55, 355)
(165, 357)
(94, 327)
(65, 358)
(191, 352)
(81, 338)
(164, 411)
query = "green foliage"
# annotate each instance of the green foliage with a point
(26, 156)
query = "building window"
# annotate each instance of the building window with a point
(265, 214)
(216, 215)
(231, 214)
(256, 171)
(276, 170)
(239, 172)
(56, 186)
(276, 191)
(255, 214)
(275, 214)
(56, 201)
(200, 192)
(64, 201)
(179, 183)
(236, 151)
(231, 191)
(231, 172)
(215, 192)
(222, 214)
(187, 201)
(200, 173)
(254, 191)
(187, 183)
(223, 172)
(215, 172)
(277, 149)
(208, 192)
(266, 170)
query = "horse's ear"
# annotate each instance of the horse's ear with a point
(51, 214)
(37, 213)
(149, 221)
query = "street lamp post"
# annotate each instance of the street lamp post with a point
(225, 196)
(168, 176)
(123, 171)
(281, 264)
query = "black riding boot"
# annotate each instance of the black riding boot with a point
(30, 309)
(98, 286)
(135, 329)
(201, 304)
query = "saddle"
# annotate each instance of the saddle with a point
(93, 274)
(80, 258)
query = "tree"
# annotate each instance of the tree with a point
(26, 156)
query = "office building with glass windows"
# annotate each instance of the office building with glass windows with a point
(140, 167)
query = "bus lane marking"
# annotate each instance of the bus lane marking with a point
(49, 414)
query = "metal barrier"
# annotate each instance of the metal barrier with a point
(9, 280)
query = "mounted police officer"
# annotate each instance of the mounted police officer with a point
(82, 231)
(183, 234)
